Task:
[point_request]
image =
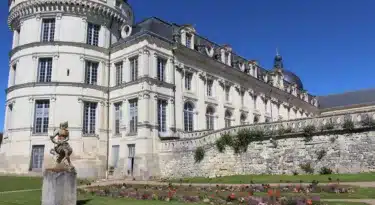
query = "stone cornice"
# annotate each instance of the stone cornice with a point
(57, 43)
(246, 80)
(84, 85)
(31, 7)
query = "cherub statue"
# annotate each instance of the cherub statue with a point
(62, 148)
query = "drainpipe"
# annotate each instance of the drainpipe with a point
(108, 91)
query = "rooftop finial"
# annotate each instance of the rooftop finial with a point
(278, 62)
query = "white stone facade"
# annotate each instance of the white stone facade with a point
(122, 98)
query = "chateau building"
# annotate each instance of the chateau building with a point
(124, 87)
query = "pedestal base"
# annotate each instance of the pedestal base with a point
(59, 188)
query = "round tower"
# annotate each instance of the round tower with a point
(59, 66)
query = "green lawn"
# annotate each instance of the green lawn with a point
(11, 183)
(238, 179)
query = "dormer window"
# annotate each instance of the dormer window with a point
(188, 40)
(226, 58)
(118, 3)
(187, 36)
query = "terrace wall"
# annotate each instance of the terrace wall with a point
(346, 151)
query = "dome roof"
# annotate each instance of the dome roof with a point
(292, 78)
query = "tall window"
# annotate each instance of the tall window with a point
(162, 115)
(265, 106)
(133, 108)
(9, 116)
(188, 117)
(115, 155)
(227, 90)
(209, 87)
(243, 119)
(118, 67)
(255, 101)
(131, 150)
(226, 58)
(45, 70)
(228, 118)
(188, 79)
(118, 115)
(41, 117)
(48, 30)
(188, 40)
(133, 68)
(93, 34)
(242, 93)
(91, 72)
(37, 157)
(210, 118)
(14, 68)
(161, 69)
(89, 118)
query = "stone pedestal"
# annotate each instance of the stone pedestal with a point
(59, 188)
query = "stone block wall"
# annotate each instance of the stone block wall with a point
(345, 153)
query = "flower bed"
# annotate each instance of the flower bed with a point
(251, 195)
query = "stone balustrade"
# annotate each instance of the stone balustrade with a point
(192, 140)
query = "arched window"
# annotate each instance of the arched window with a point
(188, 117)
(228, 118)
(243, 119)
(210, 118)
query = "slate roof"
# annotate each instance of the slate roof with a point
(358, 97)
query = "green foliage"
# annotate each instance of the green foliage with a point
(325, 171)
(367, 121)
(283, 130)
(240, 141)
(321, 154)
(329, 126)
(307, 168)
(348, 125)
(199, 154)
(308, 132)
(220, 145)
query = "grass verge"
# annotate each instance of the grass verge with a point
(259, 179)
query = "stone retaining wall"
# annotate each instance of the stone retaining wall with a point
(345, 153)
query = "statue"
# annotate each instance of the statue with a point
(62, 148)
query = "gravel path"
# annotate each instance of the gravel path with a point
(17, 191)
(368, 201)
(108, 182)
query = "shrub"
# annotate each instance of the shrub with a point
(367, 121)
(295, 173)
(321, 154)
(199, 154)
(308, 132)
(348, 125)
(325, 171)
(220, 145)
(307, 168)
(283, 130)
(329, 126)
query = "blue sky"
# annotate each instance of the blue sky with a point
(330, 45)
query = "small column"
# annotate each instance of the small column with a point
(145, 62)
(171, 110)
(125, 114)
(35, 69)
(52, 111)
(143, 113)
(59, 187)
(57, 27)
(141, 64)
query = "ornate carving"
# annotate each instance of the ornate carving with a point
(126, 31)
(62, 149)
(58, 16)
(209, 50)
